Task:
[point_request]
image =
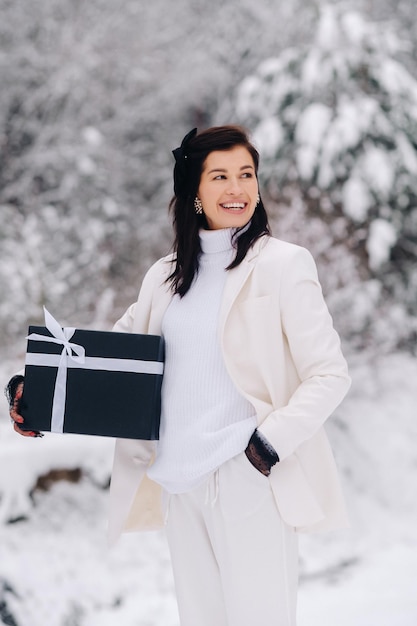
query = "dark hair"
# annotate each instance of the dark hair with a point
(190, 158)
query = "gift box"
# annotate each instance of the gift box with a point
(92, 382)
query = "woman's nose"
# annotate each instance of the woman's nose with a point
(234, 187)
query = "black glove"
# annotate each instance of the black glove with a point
(11, 388)
(11, 391)
(261, 454)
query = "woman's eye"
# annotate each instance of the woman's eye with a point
(247, 175)
(219, 177)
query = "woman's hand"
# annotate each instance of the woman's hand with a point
(15, 395)
(261, 454)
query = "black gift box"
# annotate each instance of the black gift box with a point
(122, 404)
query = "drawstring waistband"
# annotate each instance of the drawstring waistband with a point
(212, 489)
(210, 498)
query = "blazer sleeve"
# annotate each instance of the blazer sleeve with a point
(315, 350)
(131, 457)
(125, 323)
(137, 316)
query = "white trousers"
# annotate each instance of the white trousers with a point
(234, 560)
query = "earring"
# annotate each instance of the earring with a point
(198, 207)
(258, 199)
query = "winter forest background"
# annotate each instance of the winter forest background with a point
(93, 97)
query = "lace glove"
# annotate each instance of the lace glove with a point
(13, 393)
(261, 454)
(11, 388)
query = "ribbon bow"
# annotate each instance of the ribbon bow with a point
(180, 168)
(60, 336)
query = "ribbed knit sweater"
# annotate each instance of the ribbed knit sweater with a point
(204, 419)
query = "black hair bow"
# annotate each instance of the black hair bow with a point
(180, 168)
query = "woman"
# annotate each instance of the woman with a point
(253, 369)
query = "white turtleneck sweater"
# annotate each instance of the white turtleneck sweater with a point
(204, 419)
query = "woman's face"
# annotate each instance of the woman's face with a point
(228, 188)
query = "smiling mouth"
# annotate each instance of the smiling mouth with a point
(233, 206)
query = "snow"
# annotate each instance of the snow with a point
(356, 199)
(328, 35)
(59, 570)
(86, 165)
(311, 71)
(378, 169)
(382, 237)
(92, 136)
(352, 119)
(396, 79)
(248, 93)
(354, 27)
(381, 593)
(407, 152)
(69, 451)
(311, 128)
(268, 136)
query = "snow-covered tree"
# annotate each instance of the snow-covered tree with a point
(336, 123)
(93, 98)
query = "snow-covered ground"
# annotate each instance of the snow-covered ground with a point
(55, 569)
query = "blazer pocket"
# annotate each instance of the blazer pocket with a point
(256, 317)
(261, 305)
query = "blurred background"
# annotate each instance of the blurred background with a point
(93, 98)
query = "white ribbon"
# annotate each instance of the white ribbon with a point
(98, 363)
(61, 336)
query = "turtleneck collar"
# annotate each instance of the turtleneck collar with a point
(215, 241)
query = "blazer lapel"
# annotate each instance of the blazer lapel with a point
(235, 280)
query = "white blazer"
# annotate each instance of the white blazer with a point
(284, 356)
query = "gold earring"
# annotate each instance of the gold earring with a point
(198, 207)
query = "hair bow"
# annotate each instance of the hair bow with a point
(180, 168)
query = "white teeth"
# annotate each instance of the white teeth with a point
(234, 205)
